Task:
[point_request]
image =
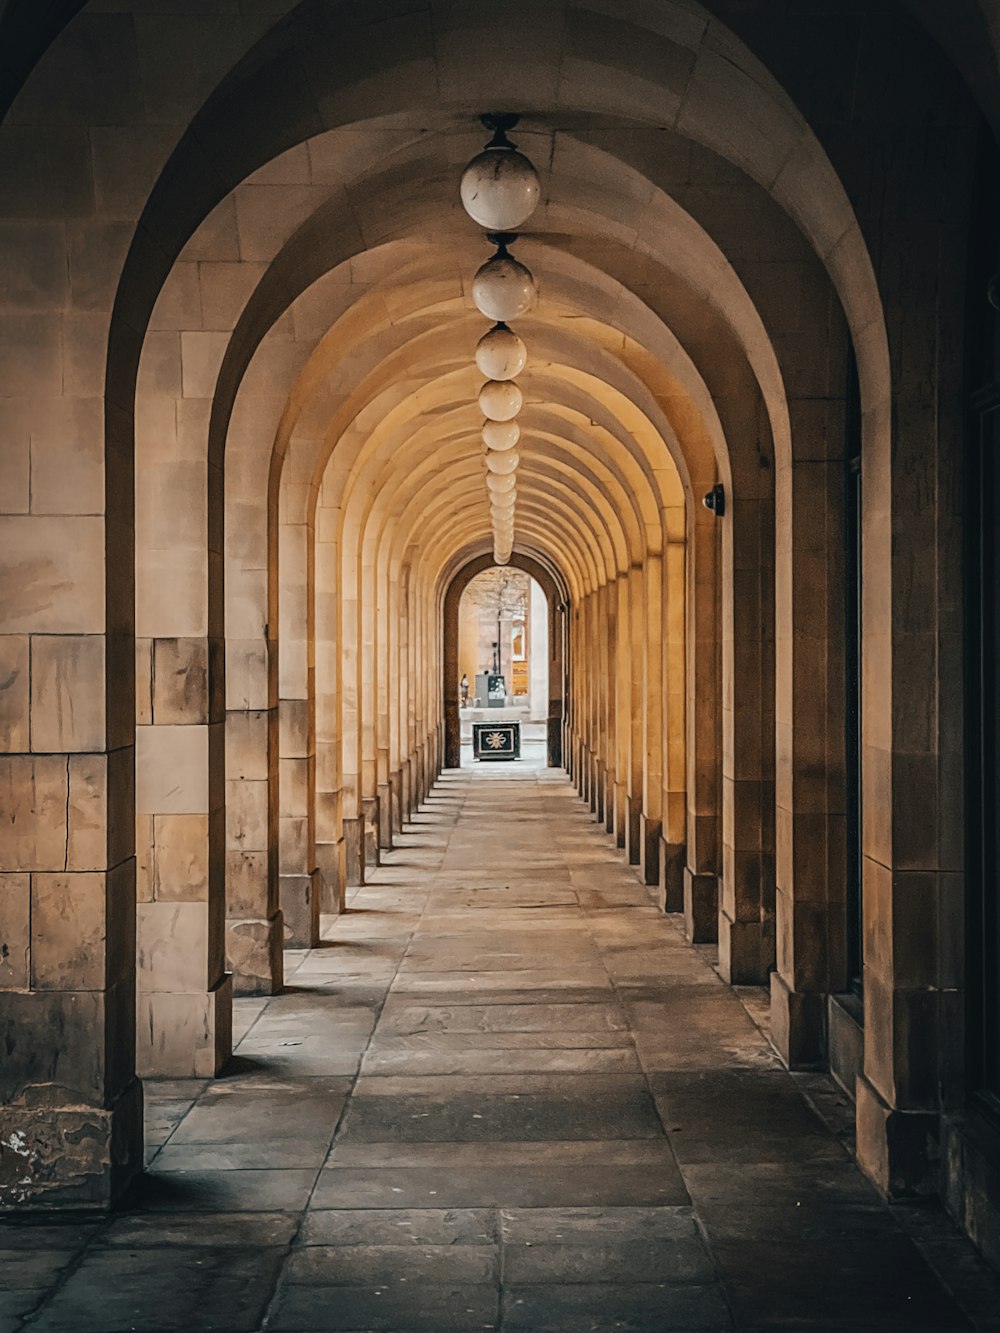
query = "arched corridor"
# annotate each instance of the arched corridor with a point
(297, 348)
(503, 1093)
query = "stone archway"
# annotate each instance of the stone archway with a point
(558, 602)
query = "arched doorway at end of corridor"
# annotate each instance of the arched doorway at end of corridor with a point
(556, 602)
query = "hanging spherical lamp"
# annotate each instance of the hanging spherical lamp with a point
(500, 400)
(500, 485)
(500, 435)
(502, 464)
(503, 504)
(500, 187)
(500, 353)
(503, 289)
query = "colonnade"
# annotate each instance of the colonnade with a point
(243, 486)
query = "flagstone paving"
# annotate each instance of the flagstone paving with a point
(503, 1094)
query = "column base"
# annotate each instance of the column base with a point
(185, 1034)
(671, 876)
(649, 849)
(600, 790)
(701, 907)
(300, 903)
(385, 817)
(633, 835)
(396, 790)
(73, 1157)
(354, 851)
(898, 1150)
(746, 949)
(970, 1152)
(331, 857)
(370, 812)
(254, 951)
(553, 742)
(798, 1025)
(620, 829)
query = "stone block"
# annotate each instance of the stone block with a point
(33, 794)
(649, 849)
(15, 931)
(300, 908)
(897, 1149)
(671, 878)
(201, 357)
(180, 681)
(331, 858)
(185, 1034)
(14, 692)
(15, 456)
(255, 953)
(970, 1152)
(52, 574)
(67, 693)
(845, 1040)
(87, 811)
(247, 744)
(294, 785)
(746, 951)
(247, 815)
(798, 1025)
(701, 907)
(171, 764)
(69, 931)
(294, 728)
(144, 858)
(247, 883)
(70, 1158)
(180, 858)
(172, 946)
(354, 851)
(294, 853)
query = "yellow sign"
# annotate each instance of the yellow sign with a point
(519, 677)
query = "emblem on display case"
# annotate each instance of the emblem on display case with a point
(496, 740)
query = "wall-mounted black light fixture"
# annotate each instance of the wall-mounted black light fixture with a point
(715, 500)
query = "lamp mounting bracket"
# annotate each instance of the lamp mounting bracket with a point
(501, 239)
(498, 123)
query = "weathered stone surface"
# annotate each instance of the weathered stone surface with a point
(33, 791)
(14, 693)
(15, 931)
(77, 1158)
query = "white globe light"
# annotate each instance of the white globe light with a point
(502, 464)
(502, 504)
(500, 485)
(501, 435)
(500, 400)
(500, 354)
(503, 289)
(500, 189)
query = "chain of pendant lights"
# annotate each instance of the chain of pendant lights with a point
(500, 191)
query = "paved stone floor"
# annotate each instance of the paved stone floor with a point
(505, 1094)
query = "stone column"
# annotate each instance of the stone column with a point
(746, 909)
(185, 991)
(811, 908)
(623, 708)
(330, 847)
(300, 879)
(672, 851)
(72, 1106)
(650, 824)
(636, 599)
(701, 870)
